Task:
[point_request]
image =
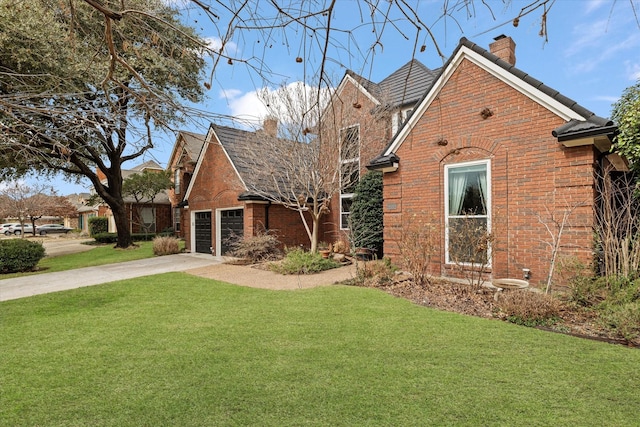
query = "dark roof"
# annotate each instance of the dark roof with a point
(404, 86)
(250, 155)
(407, 84)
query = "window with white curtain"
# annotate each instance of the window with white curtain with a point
(467, 211)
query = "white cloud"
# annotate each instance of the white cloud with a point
(215, 43)
(593, 5)
(245, 106)
(632, 70)
(286, 103)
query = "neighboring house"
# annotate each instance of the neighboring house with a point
(489, 142)
(366, 115)
(84, 209)
(218, 205)
(182, 163)
(156, 216)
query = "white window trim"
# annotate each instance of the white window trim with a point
(344, 196)
(344, 162)
(487, 164)
(176, 181)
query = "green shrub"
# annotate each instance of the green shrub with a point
(98, 225)
(106, 237)
(166, 245)
(298, 261)
(527, 308)
(18, 255)
(366, 219)
(624, 319)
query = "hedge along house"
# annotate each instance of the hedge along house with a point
(219, 204)
(360, 119)
(489, 144)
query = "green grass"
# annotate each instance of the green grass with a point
(99, 255)
(178, 350)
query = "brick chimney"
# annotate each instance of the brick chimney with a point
(504, 48)
(270, 126)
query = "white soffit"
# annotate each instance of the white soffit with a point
(497, 71)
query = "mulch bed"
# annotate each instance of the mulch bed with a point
(461, 298)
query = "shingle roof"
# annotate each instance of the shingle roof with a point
(193, 143)
(404, 86)
(249, 152)
(150, 164)
(407, 84)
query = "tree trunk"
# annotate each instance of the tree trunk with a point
(122, 225)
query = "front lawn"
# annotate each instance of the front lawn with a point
(179, 350)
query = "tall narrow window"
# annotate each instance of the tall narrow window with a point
(349, 170)
(176, 219)
(467, 204)
(176, 181)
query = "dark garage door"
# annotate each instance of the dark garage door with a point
(231, 227)
(203, 232)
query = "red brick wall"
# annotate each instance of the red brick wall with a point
(352, 107)
(285, 223)
(186, 167)
(217, 186)
(530, 173)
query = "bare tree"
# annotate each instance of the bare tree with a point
(617, 224)
(555, 222)
(313, 157)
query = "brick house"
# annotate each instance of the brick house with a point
(367, 114)
(181, 165)
(490, 143)
(214, 182)
(155, 215)
(218, 203)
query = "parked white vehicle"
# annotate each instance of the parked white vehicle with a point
(7, 228)
(18, 229)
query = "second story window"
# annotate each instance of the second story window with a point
(176, 181)
(349, 170)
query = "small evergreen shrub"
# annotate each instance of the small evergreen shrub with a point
(17, 255)
(106, 237)
(529, 308)
(264, 246)
(166, 245)
(98, 225)
(366, 218)
(299, 261)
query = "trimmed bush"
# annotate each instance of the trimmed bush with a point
(98, 225)
(366, 219)
(298, 261)
(106, 237)
(17, 255)
(166, 245)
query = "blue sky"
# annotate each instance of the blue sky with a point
(592, 54)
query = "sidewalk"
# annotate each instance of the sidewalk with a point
(21, 287)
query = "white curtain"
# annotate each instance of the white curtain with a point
(457, 190)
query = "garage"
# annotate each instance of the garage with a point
(203, 232)
(231, 228)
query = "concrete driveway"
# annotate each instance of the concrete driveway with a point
(36, 284)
